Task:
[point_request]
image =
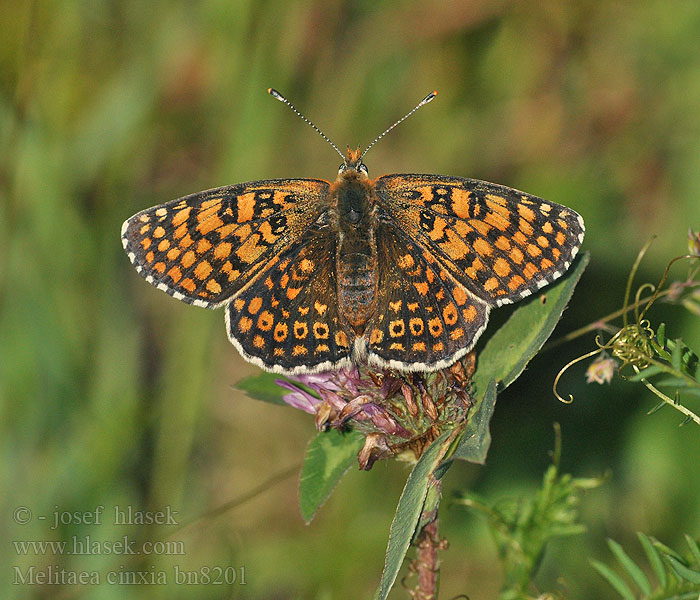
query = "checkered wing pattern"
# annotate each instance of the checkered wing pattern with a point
(204, 248)
(287, 319)
(499, 243)
(424, 319)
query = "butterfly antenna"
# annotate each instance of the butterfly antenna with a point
(425, 100)
(275, 94)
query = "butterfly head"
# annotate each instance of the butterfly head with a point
(353, 165)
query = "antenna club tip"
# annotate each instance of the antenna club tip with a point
(434, 92)
(275, 94)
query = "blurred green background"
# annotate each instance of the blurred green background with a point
(112, 393)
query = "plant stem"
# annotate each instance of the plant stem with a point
(428, 542)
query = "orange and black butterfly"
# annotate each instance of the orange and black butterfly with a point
(398, 272)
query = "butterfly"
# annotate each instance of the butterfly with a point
(397, 272)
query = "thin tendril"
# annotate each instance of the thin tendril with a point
(633, 272)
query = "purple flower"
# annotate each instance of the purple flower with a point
(601, 370)
(299, 398)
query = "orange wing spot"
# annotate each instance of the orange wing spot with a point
(303, 310)
(226, 230)
(163, 245)
(481, 226)
(547, 227)
(321, 348)
(406, 262)
(203, 245)
(188, 259)
(422, 288)
(483, 247)
(299, 350)
(232, 273)
(439, 347)
(416, 326)
(301, 330)
(563, 224)
(516, 255)
(491, 284)
(499, 200)
(469, 313)
(395, 306)
(284, 280)
(189, 285)
(285, 313)
(543, 241)
(249, 252)
(460, 203)
(222, 250)
(255, 305)
(545, 209)
(430, 276)
(376, 336)
(545, 263)
(246, 207)
(341, 339)
(242, 232)
(320, 308)
(209, 224)
(556, 253)
(150, 256)
(476, 265)
(459, 295)
(397, 328)
(211, 202)
(498, 221)
(238, 304)
(280, 352)
(293, 293)
(202, 270)
(175, 274)
(515, 282)
(455, 334)
(501, 267)
(440, 294)
(173, 253)
(265, 320)
(525, 227)
(418, 347)
(266, 230)
(160, 267)
(462, 228)
(449, 314)
(533, 250)
(306, 265)
(530, 270)
(180, 232)
(181, 216)
(520, 238)
(321, 331)
(205, 213)
(144, 229)
(144, 218)
(158, 232)
(396, 346)
(161, 212)
(186, 242)
(438, 229)
(560, 237)
(146, 243)
(245, 324)
(258, 341)
(435, 326)
(455, 247)
(281, 331)
(268, 283)
(213, 287)
(526, 212)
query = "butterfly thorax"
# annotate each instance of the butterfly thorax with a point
(356, 256)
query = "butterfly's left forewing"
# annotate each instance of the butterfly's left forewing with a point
(499, 243)
(204, 248)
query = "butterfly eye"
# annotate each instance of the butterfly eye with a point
(342, 167)
(362, 167)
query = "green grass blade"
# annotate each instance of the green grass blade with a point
(613, 579)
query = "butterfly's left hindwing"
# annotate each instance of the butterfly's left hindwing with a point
(500, 243)
(204, 248)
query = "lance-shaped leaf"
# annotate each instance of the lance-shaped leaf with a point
(475, 442)
(262, 387)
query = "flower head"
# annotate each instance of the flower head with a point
(601, 370)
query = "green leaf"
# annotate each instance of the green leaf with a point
(661, 334)
(646, 373)
(263, 387)
(475, 441)
(631, 567)
(683, 571)
(654, 559)
(676, 354)
(613, 579)
(693, 545)
(328, 457)
(409, 510)
(511, 347)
